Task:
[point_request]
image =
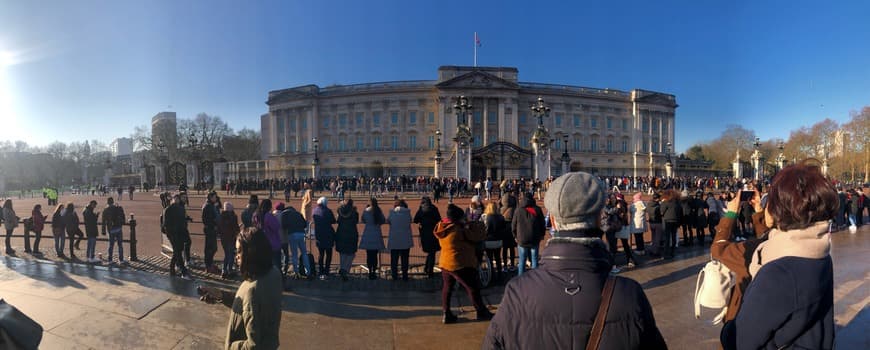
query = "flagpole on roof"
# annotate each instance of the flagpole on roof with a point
(474, 43)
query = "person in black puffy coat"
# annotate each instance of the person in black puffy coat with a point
(555, 306)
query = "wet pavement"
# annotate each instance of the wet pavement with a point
(82, 306)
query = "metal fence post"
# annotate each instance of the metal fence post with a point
(133, 255)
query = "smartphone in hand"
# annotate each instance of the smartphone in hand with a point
(746, 196)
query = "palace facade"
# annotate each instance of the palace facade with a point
(398, 128)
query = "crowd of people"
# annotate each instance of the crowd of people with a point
(65, 225)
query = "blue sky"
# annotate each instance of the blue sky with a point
(75, 70)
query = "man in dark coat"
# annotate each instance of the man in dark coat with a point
(210, 215)
(529, 228)
(554, 307)
(427, 217)
(175, 226)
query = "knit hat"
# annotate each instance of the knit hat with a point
(575, 200)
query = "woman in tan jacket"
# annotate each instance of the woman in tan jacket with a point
(458, 239)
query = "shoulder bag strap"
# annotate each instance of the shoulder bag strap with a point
(601, 316)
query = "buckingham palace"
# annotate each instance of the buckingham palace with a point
(472, 122)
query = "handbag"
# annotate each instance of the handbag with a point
(17, 331)
(601, 316)
(713, 289)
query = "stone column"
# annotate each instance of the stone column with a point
(501, 120)
(542, 161)
(738, 173)
(485, 119)
(669, 170)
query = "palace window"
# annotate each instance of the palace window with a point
(292, 147)
(376, 119)
(342, 143)
(558, 119)
(342, 121)
(359, 120)
(577, 121)
(359, 143)
(645, 125)
(292, 121)
(431, 117)
(478, 117)
(524, 141)
(655, 145)
(304, 123)
(492, 139)
(325, 121)
(304, 146)
(577, 144)
(655, 126)
(412, 141)
(394, 118)
(609, 123)
(624, 146)
(394, 142)
(376, 142)
(593, 122)
(593, 144)
(609, 145)
(326, 145)
(523, 118)
(625, 125)
(492, 118)
(412, 118)
(280, 134)
(431, 142)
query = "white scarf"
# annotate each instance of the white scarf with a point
(813, 242)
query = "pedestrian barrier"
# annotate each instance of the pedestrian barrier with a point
(27, 225)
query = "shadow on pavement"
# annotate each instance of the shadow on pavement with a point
(674, 276)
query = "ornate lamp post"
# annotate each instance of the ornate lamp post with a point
(316, 162)
(195, 158)
(669, 166)
(438, 156)
(758, 160)
(780, 159)
(541, 140)
(463, 138)
(566, 158)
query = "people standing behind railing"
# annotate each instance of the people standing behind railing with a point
(248, 213)
(346, 237)
(509, 243)
(210, 217)
(175, 226)
(426, 218)
(71, 222)
(672, 212)
(38, 221)
(496, 230)
(228, 229)
(91, 230)
(325, 234)
(113, 222)
(528, 228)
(372, 240)
(264, 219)
(10, 222)
(58, 230)
(294, 225)
(400, 240)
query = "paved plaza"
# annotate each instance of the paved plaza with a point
(83, 306)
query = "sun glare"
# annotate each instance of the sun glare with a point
(6, 109)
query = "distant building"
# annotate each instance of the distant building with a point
(389, 128)
(122, 146)
(164, 127)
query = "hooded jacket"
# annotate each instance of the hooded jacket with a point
(458, 242)
(528, 223)
(427, 218)
(372, 238)
(347, 235)
(323, 231)
(554, 306)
